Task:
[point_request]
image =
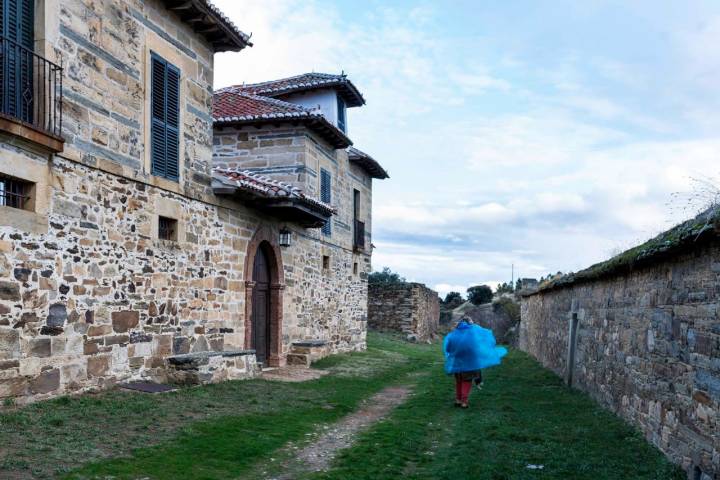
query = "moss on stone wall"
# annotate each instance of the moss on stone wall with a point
(703, 228)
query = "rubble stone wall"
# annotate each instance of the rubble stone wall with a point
(99, 298)
(647, 347)
(409, 308)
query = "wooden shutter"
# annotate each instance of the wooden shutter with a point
(172, 106)
(326, 196)
(17, 21)
(165, 135)
(341, 114)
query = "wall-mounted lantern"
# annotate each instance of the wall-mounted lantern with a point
(285, 237)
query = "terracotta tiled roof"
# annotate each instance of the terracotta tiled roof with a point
(305, 82)
(258, 185)
(368, 163)
(231, 105)
(206, 18)
(234, 106)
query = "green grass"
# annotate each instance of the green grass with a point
(237, 429)
(523, 416)
(228, 444)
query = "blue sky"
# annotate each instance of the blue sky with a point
(545, 134)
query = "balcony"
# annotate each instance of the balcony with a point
(359, 236)
(30, 96)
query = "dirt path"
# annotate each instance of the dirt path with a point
(318, 455)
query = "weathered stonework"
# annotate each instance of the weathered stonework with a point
(89, 295)
(409, 308)
(647, 347)
(296, 155)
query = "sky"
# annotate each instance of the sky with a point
(547, 135)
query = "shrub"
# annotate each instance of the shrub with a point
(453, 300)
(480, 294)
(387, 277)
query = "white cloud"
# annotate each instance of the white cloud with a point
(501, 160)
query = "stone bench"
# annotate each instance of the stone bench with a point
(211, 367)
(304, 352)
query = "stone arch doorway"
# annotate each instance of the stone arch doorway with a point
(263, 297)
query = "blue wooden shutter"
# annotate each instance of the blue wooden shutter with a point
(341, 114)
(172, 105)
(165, 130)
(326, 196)
(17, 21)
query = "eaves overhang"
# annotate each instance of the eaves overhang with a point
(207, 20)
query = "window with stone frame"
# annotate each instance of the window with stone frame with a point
(15, 193)
(167, 229)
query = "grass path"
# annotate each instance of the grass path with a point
(525, 424)
(239, 429)
(319, 451)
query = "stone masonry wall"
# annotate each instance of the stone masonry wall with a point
(648, 348)
(409, 308)
(105, 47)
(98, 298)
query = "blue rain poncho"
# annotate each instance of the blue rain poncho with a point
(469, 348)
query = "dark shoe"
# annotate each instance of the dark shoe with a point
(458, 403)
(463, 405)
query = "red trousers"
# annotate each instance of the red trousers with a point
(462, 388)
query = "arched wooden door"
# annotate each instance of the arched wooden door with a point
(261, 330)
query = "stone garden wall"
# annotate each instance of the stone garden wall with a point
(647, 347)
(409, 308)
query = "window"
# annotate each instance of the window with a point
(15, 193)
(165, 130)
(326, 262)
(167, 229)
(18, 37)
(326, 197)
(355, 268)
(358, 226)
(341, 111)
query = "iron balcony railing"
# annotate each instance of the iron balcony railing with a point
(30, 88)
(359, 236)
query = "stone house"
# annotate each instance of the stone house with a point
(133, 244)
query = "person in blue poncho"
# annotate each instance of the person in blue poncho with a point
(468, 349)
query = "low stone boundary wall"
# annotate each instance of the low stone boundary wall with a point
(644, 341)
(410, 308)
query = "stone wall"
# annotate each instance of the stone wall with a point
(99, 298)
(105, 47)
(647, 347)
(409, 308)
